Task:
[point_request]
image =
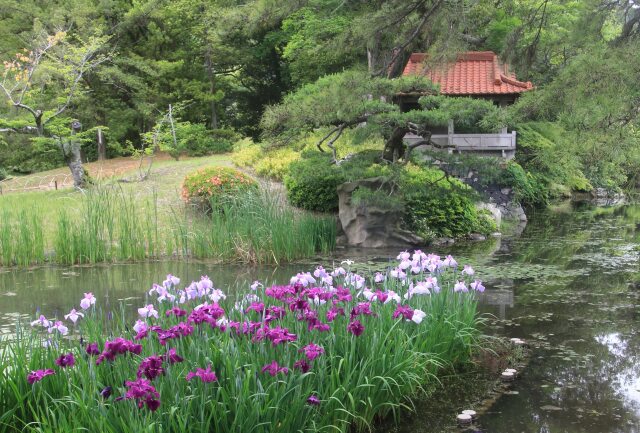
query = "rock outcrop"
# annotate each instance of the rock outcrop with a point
(371, 226)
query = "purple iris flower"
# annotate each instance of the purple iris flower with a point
(106, 392)
(404, 311)
(118, 346)
(273, 369)
(172, 357)
(312, 351)
(258, 307)
(92, 349)
(206, 376)
(355, 327)
(313, 400)
(178, 312)
(302, 365)
(144, 393)
(38, 375)
(66, 360)
(333, 313)
(363, 308)
(151, 367)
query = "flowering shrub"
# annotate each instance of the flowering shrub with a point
(209, 186)
(328, 350)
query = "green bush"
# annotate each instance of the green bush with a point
(312, 180)
(378, 198)
(193, 139)
(3, 173)
(312, 183)
(202, 142)
(529, 189)
(19, 154)
(210, 187)
(440, 206)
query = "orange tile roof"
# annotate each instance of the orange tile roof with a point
(473, 73)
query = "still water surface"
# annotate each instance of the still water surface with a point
(569, 284)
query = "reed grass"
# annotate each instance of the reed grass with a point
(358, 379)
(109, 223)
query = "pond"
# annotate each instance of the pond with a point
(569, 284)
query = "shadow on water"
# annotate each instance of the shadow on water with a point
(569, 284)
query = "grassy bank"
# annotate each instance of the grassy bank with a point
(301, 357)
(136, 221)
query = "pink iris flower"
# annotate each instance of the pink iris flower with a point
(73, 315)
(148, 311)
(58, 326)
(42, 321)
(87, 301)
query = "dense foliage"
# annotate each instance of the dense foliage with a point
(433, 204)
(286, 67)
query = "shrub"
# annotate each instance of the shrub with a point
(529, 189)
(312, 183)
(246, 153)
(3, 173)
(276, 163)
(437, 205)
(193, 139)
(211, 186)
(378, 198)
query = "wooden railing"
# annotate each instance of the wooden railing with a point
(504, 142)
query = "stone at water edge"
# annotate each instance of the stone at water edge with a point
(471, 413)
(507, 376)
(512, 370)
(518, 341)
(464, 419)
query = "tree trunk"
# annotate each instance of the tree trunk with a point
(394, 147)
(39, 125)
(73, 158)
(74, 162)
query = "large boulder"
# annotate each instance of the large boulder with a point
(371, 226)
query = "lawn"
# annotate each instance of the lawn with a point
(165, 178)
(124, 219)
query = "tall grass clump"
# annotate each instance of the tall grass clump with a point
(329, 351)
(111, 225)
(259, 226)
(6, 245)
(21, 238)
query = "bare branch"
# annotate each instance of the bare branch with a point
(24, 129)
(333, 140)
(84, 66)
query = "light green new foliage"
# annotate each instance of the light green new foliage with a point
(358, 379)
